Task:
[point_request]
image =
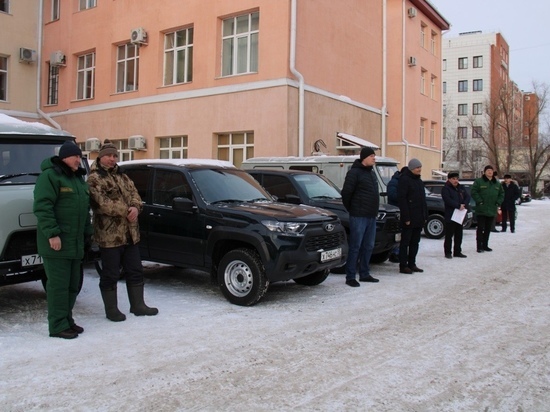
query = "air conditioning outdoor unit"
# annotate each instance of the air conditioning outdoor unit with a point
(27, 55)
(138, 36)
(412, 61)
(412, 12)
(57, 58)
(136, 142)
(92, 144)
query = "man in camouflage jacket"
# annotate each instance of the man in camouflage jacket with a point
(116, 205)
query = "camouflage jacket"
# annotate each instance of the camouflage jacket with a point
(111, 194)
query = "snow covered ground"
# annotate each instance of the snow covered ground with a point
(466, 335)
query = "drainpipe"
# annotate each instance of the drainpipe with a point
(383, 139)
(404, 59)
(299, 77)
(39, 69)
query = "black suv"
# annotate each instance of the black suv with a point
(209, 215)
(301, 187)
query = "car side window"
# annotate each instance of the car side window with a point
(279, 186)
(168, 185)
(140, 177)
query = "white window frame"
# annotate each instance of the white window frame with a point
(422, 131)
(423, 81)
(4, 79)
(173, 147)
(432, 87)
(237, 41)
(423, 35)
(478, 62)
(53, 85)
(86, 4)
(228, 151)
(463, 109)
(56, 10)
(85, 78)
(178, 57)
(444, 87)
(444, 65)
(433, 43)
(127, 72)
(432, 134)
(462, 63)
(124, 152)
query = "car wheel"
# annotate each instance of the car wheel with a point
(434, 227)
(315, 278)
(380, 257)
(241, 277)
(44, 279)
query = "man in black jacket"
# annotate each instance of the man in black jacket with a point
(411, 197)
(361, 199)
(455, 197)
(508, 206)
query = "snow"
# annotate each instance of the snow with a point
(465, 335)
(12, 125)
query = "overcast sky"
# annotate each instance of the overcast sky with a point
(525, 25)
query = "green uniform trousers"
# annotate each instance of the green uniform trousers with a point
(62, 289)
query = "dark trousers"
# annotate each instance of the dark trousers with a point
(113, 259)
(408, 248)
(511, 216)
(483, 231)
(453, 230)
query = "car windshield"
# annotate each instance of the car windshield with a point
(386, 171)
(20, 162)
(316, 187)
(228, 185)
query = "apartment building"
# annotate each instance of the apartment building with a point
(232, 80)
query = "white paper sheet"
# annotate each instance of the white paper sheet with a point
(458, 215)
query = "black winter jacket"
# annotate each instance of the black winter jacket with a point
(392, 189)
(511, 194)
(411, 197)
(360, 192)
(453, 197)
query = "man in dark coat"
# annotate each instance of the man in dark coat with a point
(455, 197)
(361, 199)
(411, 197)
(391, 190)
(508, 206)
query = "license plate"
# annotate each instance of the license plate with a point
(31, 260)
(331, 254)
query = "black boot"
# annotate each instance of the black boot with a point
(111, 306)
(137, 305)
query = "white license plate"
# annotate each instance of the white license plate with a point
(331, 254)
(31, 260)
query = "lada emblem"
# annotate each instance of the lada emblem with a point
(329, 227)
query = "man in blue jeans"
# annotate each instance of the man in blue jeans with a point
(361, 199)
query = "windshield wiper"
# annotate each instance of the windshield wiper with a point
(325, 197)
(227, 201)
(4, 177)
(258, 199)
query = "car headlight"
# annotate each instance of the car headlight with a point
(381, 216)
(288, 228)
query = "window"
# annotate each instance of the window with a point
(168, 185)
(423, 35)
(423, 82)
(85, 77)
(124, 153)
(127, 71)
(478, 85)
(5, 6)
(422, 131)
(236, 147)
(444, 110)
(462, 109)
(477, 108)
(86, 4)
(53, 84)
(444, 65)
(240, 44)
(463, 63)
(55, 10)
(477, 132)
(444, 133)
(478, 62)
(433, 43)
(280, 186)
(432, 87)
(463, 85)
(462, 132)
(3, 78)
(178, 57)
(444, 87)
(173, 147)
(432, 135)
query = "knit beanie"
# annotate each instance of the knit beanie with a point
(107, 149)
(487, 168)
(414, 163)
(366, 152)
(69, 149)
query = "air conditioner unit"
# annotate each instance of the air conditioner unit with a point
(412, 61)
(412, 12)
(138, 36)
(92, 144)
(27, 55)
(136, 142)
(57, 58)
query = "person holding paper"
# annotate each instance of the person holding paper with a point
(456, 206)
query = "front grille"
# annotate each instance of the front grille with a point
(325, 242)
(20, 244)
(393, 226)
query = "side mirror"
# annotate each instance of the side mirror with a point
(295, 200)
(182, 204)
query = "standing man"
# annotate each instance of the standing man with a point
(411, 197)
(361, 199)
(116, 205)
(62, 208)
(488, 195)
(508, 206)
(455, 197)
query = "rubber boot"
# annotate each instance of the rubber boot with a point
(137, 305)
(111, 307)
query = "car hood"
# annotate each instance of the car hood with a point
(278, 211)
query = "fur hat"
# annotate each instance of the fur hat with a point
(69, 149)
(450, 175)
(366, 152)
(414, 163)
(107, 149)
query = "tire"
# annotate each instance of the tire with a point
(380, 257)
(434, 227)
(314, 279)
(44, 279)
(241, 277)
